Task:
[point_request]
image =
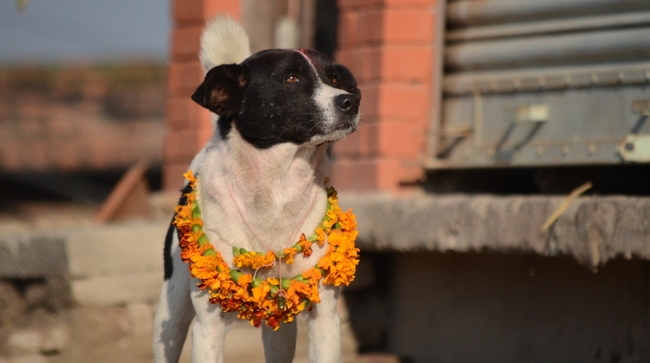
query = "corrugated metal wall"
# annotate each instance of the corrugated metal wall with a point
(560, 82)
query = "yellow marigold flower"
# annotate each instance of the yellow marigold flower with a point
(291, 296)
(273, 281)
(348, 220)
(320, 234)
(305, 245)
(190, 177)
(260, 292)
(245, 280)
(313, 275)
(288, 254)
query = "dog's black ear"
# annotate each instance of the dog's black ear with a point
(222, 89)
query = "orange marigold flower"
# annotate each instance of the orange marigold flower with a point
(305, 245)
(260, 292)
(273, 281)
(270, 300)
(288, 254)
(245, 280)
(190, 177)
(348, 220)
(320, 234)
(313, 275)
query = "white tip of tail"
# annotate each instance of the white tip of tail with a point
(224, 41)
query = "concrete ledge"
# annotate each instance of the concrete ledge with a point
(121, 263)
(109, 264)
(24, 256)
(593, 229)
(27, 256)
(118, 289)
(116, 249)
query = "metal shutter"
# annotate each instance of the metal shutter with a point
(545, 82)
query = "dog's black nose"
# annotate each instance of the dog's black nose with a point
(347, 103)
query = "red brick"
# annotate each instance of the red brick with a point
(196, 11)
(185, 43)
(67, 158)
(408, 63)
(396, 140)
(184, 77)
(350, 58)
(179, 115)
(11, 158)
(187, 11)
(370, 63)
(355, 145)
(391, 173)
(341, 174)
(183, 113)
(348, 28)
(407, 25)
(370, 26)
(182, 145)
(205, 134)
(363, 134)
(371, 175)
(409, 3)
(353, 175)
(214, 7)
(369, 101)
(173, 175)
(396, 101)
(348, 147)
(346, 5)
(407, 102)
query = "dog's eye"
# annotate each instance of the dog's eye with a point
(335, 81)
(292, 79)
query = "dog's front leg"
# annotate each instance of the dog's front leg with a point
(280, 345)
(324, 328)
(209, 330)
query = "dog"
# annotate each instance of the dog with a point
(274, 112)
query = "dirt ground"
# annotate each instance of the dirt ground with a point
(107, 335)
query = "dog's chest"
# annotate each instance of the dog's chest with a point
(268, 223)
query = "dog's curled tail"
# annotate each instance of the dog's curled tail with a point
(224, 41)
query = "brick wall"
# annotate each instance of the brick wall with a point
(69, 118)
(388, 45)
(188, 125)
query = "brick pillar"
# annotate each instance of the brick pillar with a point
(188, 125)
(389, 46)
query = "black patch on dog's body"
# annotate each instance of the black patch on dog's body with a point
(256, 98)
(167, 249)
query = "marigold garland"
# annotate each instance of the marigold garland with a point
(271, 300)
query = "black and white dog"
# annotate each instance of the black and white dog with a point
(259, 179)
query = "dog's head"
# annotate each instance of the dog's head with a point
(280, 95)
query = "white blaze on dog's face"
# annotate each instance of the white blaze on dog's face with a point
(279, 95)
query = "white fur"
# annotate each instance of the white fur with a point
(324, 98)
(224, 41)
(274, 189)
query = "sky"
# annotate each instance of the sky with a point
(62, 31)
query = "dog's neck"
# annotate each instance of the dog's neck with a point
(264, 194)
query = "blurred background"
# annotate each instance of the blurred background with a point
(500, 175)
(83, 98)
